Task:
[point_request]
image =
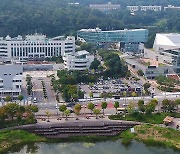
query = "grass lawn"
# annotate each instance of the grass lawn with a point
(9, 138)
(154, 136)
(153, 118)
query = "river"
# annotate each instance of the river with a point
(104, 147)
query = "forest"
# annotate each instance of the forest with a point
(57, 17)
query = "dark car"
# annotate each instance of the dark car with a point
(71, 104)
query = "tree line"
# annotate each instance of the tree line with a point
(54, 17)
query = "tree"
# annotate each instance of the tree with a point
(150, 107)
(32, 108)
(103, 106)
(116, 105)
(20, 112)
(91, 94)
(11, 109)
(95, 64)
(96, 112)
(48, 114)
(77, 109)
(8, 98)
(141, 105)
(130, 107)
(91, 106)
(134, 94)
(62, 108)
(146, 86)
(168, 105)
(140, 72)
(2, 115)
(20, 97)
(66, 113)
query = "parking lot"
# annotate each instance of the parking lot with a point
(111, 86)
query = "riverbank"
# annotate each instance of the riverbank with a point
(10, 138)
(153, 135)
(149, 134)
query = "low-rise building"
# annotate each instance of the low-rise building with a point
(105, 7)
(80, 60)
(10, 80)
(35, 47)
(167, 48)
(144, 8)
(170, 7)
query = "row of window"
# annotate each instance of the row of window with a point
(49, 51)
(19, 44)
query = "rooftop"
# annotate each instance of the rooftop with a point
(99, 30)
(168, 39)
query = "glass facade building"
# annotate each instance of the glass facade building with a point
(129, 39)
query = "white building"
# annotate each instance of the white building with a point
(167, 48)
(105, 7)
(10, 80)
(133, 8)
(144, 8)
(170, 7)
(80, 60)
(37, 46)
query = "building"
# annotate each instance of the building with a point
(170, 7)
(133, 8)
(105, 7)
(129, 40)
(35, 47)
(144, 8)
(10, 80)
(150, 71)
(80, 60)
(167, 48)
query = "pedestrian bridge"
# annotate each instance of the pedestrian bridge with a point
(85, 128)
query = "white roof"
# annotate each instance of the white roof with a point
(171, 39)
(82, 52)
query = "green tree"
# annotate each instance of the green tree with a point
(141, 105)
(62, 108)
(48, 114)
(168, 105)
(91, 106)
(116, 105)
(8, 98)
(134, 94)
(3, 115)
(77, 109)
(96, 112)
(11, 109)
(20, 112)
(131, 107)
(103, 106)
(150, 107)
(67, 113)
(32, 108)
(20, 97)
(140, 72)
(91, 94)
(146, 86)
(95, 64)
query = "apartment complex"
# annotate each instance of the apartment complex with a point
(105, 7)
(35, 47)
(129, 40)
(80, 60)
(10, 80)
(144, 8)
